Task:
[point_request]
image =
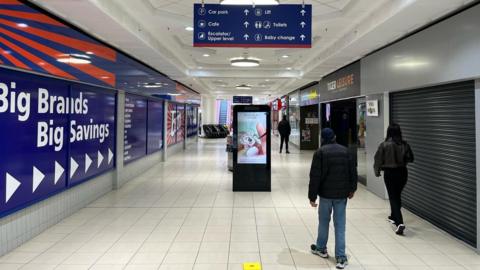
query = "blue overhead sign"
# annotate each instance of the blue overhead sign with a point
(242, 99)
(281, 26)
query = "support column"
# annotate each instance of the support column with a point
(120, 132)
(376, 128)
(208, 110)
(165, 128)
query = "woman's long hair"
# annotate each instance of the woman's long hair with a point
(395, 133)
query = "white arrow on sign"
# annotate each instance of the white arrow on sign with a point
(303, 37)
(303, 24)
(100, 159)
(110, 156)
(38, 177)
(59, 170)
(88, 162)
(11, 186)
(246, 36)
(246, 24)
(73, 167)
(246, 11)
(303, 12)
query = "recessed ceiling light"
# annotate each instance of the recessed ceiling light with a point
(206, 55)
(244, 62)
(200, 67)
(267, 80)
(289, 68)
(23, 25)
(243, 87)
(189, 28)
(285, 56)
(73, 60)
(249, 2)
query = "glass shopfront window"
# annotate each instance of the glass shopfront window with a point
(294, 117)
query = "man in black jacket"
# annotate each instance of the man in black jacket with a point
(333, 177)
(284, 129)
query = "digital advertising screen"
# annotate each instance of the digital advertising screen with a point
(252, 138)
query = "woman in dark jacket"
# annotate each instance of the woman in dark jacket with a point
(392, 158)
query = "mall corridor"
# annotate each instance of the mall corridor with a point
(182, 215)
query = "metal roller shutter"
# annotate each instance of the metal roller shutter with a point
(439, 124)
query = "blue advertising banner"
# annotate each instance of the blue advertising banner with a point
(192, 120)
(92, 133)
(135, 130)
(180, 123)
(155, 126)
(281, 26)
(34, 119)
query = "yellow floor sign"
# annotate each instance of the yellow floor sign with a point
(252, 266)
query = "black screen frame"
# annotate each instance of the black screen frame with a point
(251, 177)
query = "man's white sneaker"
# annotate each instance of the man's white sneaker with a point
(321, 253)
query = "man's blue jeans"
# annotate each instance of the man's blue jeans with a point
(339, 207)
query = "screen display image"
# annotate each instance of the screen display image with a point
(252, 137)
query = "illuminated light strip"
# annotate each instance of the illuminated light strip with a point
(10, 2)
(38, 17)
(48, 67)
(14, 60)
(81, 45)
(91, 70)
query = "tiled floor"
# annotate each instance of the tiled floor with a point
(182, 215)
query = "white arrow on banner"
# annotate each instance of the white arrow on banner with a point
(88, 162)
(11, 187)
(59, 170)
(100, 159)
(38, 177)
(73, 167)
(246, 24)
(246, 36)
(303, 12)
(110, 156)
(303, 37)
(246, 11)
(303, 24)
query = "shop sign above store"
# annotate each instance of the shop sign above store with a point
(282, 26)
(343, 83)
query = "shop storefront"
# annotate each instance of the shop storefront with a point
(309, 118)
(343, 110)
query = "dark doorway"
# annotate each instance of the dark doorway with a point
(346, 118)
(341, 116)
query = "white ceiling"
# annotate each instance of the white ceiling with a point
(154, 31)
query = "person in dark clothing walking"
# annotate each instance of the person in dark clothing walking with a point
(392, 158)
(333, 178)
(284, 130)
